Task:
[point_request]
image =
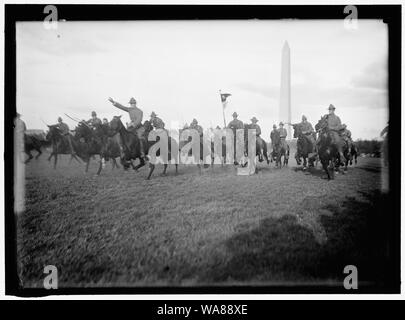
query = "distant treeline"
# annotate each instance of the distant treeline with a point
(369, 146)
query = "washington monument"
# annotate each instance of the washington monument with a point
(285, 89)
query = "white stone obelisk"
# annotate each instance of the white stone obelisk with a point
(285, 89)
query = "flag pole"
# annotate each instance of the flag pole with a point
(223, 109)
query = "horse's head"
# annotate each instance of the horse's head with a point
(83, 131)
(148, 126)
(116, 124)
(297, 130)
(276, 138)
(322, 124)
(53, 133)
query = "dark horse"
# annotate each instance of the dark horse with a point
(205, 147)
(261, 145)
(352, 155)
(60, 144)
(327, 151)
(171, 144)
(131, 148)
(304, 147)
(96, 142)
(33, 142)
(280, 150)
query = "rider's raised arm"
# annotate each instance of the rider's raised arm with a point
(120, 106)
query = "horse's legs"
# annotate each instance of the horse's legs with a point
(114, 164)
(325, 166)
(297, 158)
(177, 168)
(52, 154)
(332, 170)
(56, 160)
(141, 164)
(267, 158)
(29, 156)
(164, 169)
(151, 168)
(39, 153)
(87, 164)
(100, 166)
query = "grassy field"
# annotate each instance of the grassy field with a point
(278, 226)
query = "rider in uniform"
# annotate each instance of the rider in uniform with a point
(64, 129)
(194, 125)
(308, 131)
(136, 115)
(283, 135)
(272, 133)
(94, 121)
(255, 126)
(334, 127)
(347, 136)
(235, 124)
(156, 122)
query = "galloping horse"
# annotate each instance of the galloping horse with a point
(280, 150)
(304, 147)
(171, 143)
(131, 149)
(60, 144)
(261, 145)
(327, 151)
(32, 142)
(95, 143)
(353, 152)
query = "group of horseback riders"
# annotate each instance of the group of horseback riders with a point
(135, 125)
(338, 133)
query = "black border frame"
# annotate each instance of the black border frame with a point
(391, 14)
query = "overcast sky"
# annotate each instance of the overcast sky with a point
(177, 68)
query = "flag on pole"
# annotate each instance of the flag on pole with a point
(224, 96)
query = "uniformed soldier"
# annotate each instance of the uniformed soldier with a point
(64, 129)
(307, 130)
(347, 136)
(254, 125)
(194, 125)
(283, 134)
(105, 121)
(334, 126)
(94, 121)
(272, 133)
(156, 122)
(235, 123)
(136, 115)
